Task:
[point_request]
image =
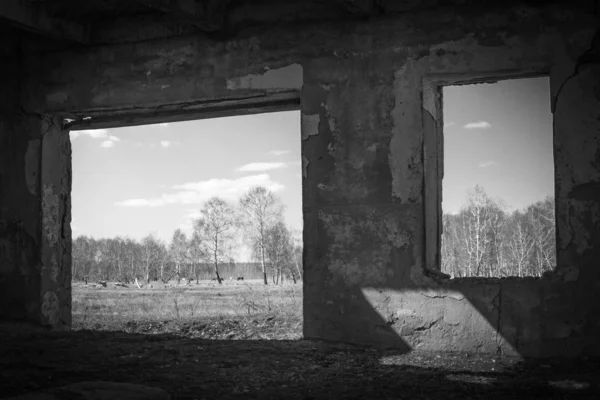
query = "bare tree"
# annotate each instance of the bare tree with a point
(520, 243)
(132, 257)
(82, 257)
(540, 217)
(178, 251)
(483, 239)
(261, 210)
(450, 247)
(216, 230)
(279, 251)
(162, 262)
(149, 249)
(196, 248)
(477, 220)
(298, 250)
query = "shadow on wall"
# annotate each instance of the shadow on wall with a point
(365, 276)
(531, 317)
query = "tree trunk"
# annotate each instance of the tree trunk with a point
(216, 263)
(298, 267)
(74, 273)
(262, 261)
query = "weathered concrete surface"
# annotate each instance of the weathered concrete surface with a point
(34, 204)
(56, 223)
(364, 205)
(19, 198)
(367, 278)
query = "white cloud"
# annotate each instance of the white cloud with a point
(278, 152)
(114, 138)
(165, 143)
(487, 164)
(261, 166)
(93, 133)
(107, 144)
(477, 125)
(449, 124)
(199, 192)
(163, 125)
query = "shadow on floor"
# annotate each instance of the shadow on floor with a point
(34, 360)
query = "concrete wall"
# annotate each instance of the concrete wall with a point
(367, 276)
(34, 200)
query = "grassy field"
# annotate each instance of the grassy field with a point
(233, 310)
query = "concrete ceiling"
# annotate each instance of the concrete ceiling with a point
(102, 21)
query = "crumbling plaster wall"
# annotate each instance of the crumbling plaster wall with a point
(34, 198)
(363, 168)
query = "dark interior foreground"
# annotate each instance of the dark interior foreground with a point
(367, 77)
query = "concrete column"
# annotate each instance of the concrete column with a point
(55, 290)
(362, 185)
(34, 205)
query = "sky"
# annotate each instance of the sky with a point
(500, 137)
(153, 179)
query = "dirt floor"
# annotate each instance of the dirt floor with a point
(193, 368)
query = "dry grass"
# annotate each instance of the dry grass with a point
(233, 310)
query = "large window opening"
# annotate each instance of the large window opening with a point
(190, 226)
(498, 180)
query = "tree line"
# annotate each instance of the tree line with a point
(257, 219)
(484, 239)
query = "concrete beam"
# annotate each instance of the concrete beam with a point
(208, 15)
(30, 17)
(362, 8)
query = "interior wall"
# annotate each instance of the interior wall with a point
(19, 195)
(366, 279)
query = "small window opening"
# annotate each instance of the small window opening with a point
(498, 180)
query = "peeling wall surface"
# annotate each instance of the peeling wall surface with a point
(360, 87)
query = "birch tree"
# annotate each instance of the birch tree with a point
(132, 257)
(520, 244)
(298, 250)
(540, 217)
(178, 251)
(477, 221)
(216, 230)
(149, 252)
(279, 251)
(260, 209)
(196, 249)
